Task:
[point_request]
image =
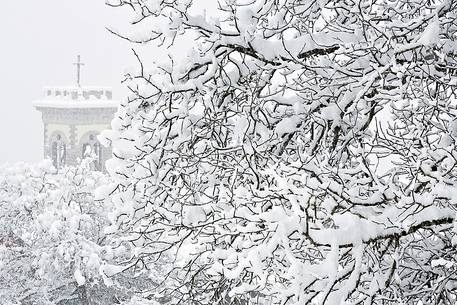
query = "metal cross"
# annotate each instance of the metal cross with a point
(78, 65)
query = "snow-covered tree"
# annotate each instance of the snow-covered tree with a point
(53, 249)
(304, 152)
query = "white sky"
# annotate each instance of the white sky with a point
(40, 40)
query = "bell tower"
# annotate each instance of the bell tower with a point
(73, 116)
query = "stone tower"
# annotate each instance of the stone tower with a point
(72, 119)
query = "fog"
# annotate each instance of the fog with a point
(40, 41)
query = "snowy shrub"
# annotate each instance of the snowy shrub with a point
(304, 152)
(53, 249)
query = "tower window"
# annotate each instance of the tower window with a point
(58, 152)
(92, 149)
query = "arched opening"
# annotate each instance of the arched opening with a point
(58, 151)
(91, 148)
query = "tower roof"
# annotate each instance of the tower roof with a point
(77, 97)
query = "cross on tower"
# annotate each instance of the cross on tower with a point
(78, 65)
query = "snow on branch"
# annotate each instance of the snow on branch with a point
(303, 152)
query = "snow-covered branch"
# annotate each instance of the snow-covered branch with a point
(302, 153)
